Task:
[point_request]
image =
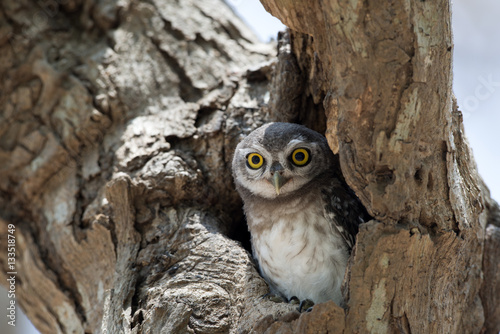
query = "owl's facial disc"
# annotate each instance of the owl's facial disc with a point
(272, 171)
(301, 155)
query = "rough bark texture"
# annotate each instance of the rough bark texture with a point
(117, 129)
(385, 73)
(490, 290)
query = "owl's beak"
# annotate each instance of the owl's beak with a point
(278, 181)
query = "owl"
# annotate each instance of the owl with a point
(302, 216)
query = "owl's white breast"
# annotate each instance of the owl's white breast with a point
(299, 252)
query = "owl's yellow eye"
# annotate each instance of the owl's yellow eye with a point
(300, 157)
(255, 160)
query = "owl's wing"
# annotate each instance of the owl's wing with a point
(343, 209)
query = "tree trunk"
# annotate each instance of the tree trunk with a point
(118, 124)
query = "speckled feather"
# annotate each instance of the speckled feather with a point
(302, 237)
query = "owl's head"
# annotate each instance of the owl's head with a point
(279, 159)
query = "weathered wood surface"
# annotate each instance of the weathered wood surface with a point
(385, 81)
(117, 129)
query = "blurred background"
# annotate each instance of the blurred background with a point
(476, 83)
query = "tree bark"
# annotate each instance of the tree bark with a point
(118, 124)
(386, 77)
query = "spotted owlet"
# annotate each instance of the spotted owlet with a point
(302, 217)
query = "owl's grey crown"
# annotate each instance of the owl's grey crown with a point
(275, 136)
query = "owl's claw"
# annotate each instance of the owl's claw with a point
(305, 306)
(274, 298)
